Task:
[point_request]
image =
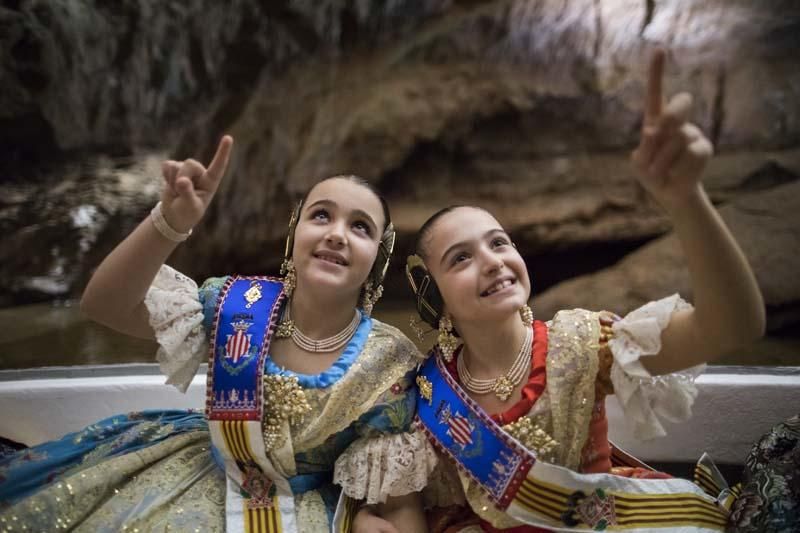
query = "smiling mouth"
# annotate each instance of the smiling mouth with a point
(331, 259)
(499, 286)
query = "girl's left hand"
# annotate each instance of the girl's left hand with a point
(672, 152)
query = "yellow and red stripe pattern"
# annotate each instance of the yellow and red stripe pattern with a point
(235, 433)
(632, 511)
(706, 479)
(256, 520)
(263, 519)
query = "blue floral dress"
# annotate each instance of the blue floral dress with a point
(156, 470)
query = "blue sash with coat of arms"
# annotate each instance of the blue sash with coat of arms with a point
(245, 317)
(546, 495)
(258, 498)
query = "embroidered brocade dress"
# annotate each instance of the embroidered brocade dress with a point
(577, 359)
(155, 470)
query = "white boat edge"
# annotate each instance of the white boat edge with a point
(734, 407)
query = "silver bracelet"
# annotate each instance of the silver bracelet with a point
(163, 227)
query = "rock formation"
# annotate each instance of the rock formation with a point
(526, 107)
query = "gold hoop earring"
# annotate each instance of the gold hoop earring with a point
(289, 277)
(526, 314)
(446, 340)
(370, 297)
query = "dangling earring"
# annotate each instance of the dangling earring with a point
(370, 297)
(287, 267)
(447, 341)
(289, 276)
(526, 314)
(286, 325)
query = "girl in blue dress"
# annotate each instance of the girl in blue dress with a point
(309, 404)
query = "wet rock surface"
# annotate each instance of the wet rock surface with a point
(528, 108)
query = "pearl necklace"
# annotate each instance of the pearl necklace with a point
(504, 385)
(287, 328)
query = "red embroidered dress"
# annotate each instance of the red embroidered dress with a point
(595, 456)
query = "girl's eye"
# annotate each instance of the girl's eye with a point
(362, 226)
(460, 257)
(499, 241)
(320, 214)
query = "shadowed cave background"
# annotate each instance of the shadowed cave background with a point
(528, 108)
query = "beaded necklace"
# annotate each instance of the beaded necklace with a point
(504, 385)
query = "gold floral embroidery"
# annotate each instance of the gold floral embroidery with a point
(572, 364)
(171, 484)
(284, 400)
(425, 388)
(533, 437)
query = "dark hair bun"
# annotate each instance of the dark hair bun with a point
(427, 297)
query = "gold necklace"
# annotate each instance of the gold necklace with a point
(504, 385)
(287, 328)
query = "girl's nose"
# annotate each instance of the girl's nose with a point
(335, 235)
(492, 262)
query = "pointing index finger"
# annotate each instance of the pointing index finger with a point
(654, 98)
(220, 162)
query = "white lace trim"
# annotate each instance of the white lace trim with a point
(375, 468)
(648, 400)
(176, 316)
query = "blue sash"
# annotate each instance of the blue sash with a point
(542, 494)
(245, 318)
(464, 432)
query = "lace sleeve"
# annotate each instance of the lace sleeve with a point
(374, 468)
(176, 316)
(647, 400)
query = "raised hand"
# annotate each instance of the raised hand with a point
(672, 152)
(190, 187)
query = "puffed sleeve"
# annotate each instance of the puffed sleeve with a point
(179, 315)
(648, 400)
(390, 458)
